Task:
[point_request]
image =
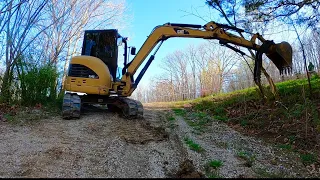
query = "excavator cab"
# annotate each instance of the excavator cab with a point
(103, 45)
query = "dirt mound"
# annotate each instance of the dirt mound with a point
(187, 170)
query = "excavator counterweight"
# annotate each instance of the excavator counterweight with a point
(94, 73)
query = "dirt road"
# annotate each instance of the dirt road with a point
(101, 144)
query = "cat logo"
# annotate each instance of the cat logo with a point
(181, 31)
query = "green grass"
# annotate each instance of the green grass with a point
(248, 157)
(214, 175)
(245, 108)
(192, 145)
(220, 118)
(8, 117)
(218, 103)
(285, 146)
(212, 168)
(244, 122)
(292, 138)
(179, 112)
(171, 118)
(197, 120)
(215, 163)
(308, 158)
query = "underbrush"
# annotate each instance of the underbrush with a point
(16, 114)
(32, 94)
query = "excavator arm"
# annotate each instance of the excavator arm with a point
(280, 54)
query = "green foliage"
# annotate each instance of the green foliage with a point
(59, 100)
(244, 122)
(285, 116)
(8, 117)
(215, 163)
(290, 91)
(214, 175)
(38, 84)
(7, 86)
(179, 112)
(211, 168)
(292, 138)
(285, 146)
(219, 111)
(200, 115)
(197, 120)
(192, 145)
(315, 77)
(221, 118)
(248, 157)
(171, 118)
(308, 158)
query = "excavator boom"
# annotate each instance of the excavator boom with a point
(280, 54)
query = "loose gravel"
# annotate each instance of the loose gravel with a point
(102, 144)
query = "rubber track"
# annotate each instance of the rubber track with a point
(71, 106)
(131, 108)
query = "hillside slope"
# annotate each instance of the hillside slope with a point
(290, 122)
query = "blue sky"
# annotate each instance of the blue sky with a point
(146, 14)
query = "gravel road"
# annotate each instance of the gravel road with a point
(102, 144)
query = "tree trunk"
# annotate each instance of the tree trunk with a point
(271, 83)
(6, 84)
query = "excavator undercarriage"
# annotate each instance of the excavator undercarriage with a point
(126, 107)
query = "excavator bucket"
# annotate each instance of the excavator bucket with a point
(281, 55)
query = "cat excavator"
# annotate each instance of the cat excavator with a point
(94, 73)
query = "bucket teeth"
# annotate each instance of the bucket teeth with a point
(286, 71)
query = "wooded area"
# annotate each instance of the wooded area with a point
(39, 37)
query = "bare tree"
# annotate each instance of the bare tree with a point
(19, 21)
(63, 39)
(229, 10)
(193, 72)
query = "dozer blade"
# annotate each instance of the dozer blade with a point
(281, 55)
(128, 108)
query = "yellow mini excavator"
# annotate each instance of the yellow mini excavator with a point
(94, 73)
